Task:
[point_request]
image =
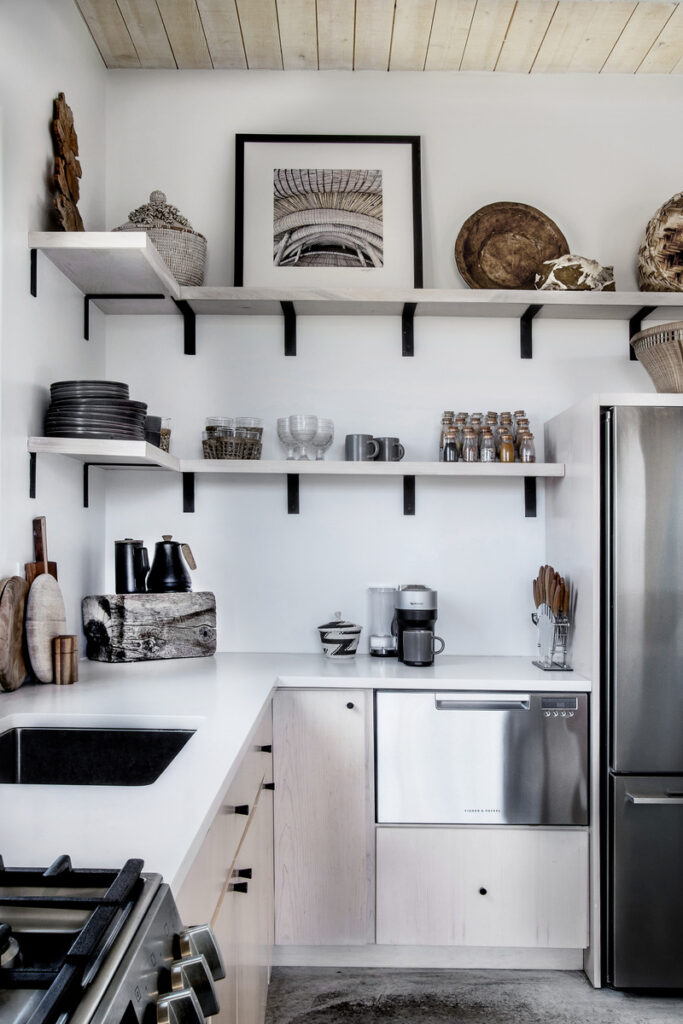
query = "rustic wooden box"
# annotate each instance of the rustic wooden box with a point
(147, 627)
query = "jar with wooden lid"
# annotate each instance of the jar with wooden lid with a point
(527, 448)
(487, 446)
(506, 452)
(450, 448)
(470, 445)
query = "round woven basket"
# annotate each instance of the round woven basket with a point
(660, 350)
(660, 257)
(183, 251)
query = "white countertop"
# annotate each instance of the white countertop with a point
(221, 698)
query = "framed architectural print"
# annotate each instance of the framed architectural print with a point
(328, 211)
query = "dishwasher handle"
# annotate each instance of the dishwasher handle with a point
(482, 701)
(660, 799)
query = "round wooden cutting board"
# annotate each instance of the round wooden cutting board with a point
(13, 671)
(45, 619)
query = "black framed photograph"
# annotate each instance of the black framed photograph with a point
(328, 211)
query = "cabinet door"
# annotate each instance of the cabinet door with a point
(254, 915)
(324, 862)
(482, 887)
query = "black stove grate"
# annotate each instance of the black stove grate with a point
(64, 981)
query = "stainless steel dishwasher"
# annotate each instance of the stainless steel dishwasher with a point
(465, 758)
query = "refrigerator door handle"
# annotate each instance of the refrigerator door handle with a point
(661, 799)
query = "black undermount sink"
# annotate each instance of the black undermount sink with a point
(31, 755)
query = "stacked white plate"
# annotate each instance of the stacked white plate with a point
(94, 408)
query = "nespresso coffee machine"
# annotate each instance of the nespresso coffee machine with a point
(416, 608)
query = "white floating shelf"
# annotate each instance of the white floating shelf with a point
(432, 302)
(127, 263)
(138, 453)
(104, 452)
(333, 468)
(102, 263)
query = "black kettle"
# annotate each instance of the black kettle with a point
(131, 564)
(169, 572)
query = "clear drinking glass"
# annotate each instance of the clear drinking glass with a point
(323, 438)
(302, 429)
(285, 438)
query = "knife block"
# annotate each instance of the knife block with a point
(553, 637)
(149, 627)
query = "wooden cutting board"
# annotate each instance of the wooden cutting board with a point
(45, 619)
(13, 669)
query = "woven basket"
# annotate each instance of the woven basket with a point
(660, 350)
(183, 251)
(660, 257)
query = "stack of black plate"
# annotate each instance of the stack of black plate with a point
(94, 408)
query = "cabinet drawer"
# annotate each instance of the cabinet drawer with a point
(201, 890)
(482, 887)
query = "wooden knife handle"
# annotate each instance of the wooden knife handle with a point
(565, 600)
(40, 541)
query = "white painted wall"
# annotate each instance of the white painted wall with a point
(579, 148)
(45, 49)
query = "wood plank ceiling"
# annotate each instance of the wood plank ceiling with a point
(525, 36)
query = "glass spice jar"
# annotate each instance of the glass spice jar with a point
(470, 446)
(446, 424)
(507, 448)
(527, 448)
(487, 446)
(450, 448)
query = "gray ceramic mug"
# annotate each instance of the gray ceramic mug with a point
(360, 448)
(419, 646)
(390, 449)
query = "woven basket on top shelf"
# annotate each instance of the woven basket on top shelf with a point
(660, 350)
(660, 257)
(182, 249)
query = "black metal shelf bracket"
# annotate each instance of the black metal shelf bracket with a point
(408, 495)
(408, 329)
(31, 474)
(635, 325)
(188, 492)
(89, 296)
(530, 497)
(526, 347)
(189, 327)
(34, 272)
(293, 494)
(289, 314)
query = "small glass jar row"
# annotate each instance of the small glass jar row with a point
(471, 437)
(226, 437)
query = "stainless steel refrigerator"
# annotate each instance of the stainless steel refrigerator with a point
(642, 754)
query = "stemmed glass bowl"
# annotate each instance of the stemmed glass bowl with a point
(323, 437)
(285, 437)
(303, 430)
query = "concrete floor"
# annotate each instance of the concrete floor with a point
(328, 995)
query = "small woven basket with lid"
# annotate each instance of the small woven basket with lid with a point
(660, 350)
(182, 249)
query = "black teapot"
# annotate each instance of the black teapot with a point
(169, 570)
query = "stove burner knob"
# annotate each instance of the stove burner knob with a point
(200, 940)
(179, 1008)
(193, 972)
(9, 947)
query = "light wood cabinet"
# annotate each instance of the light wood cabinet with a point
(502, 886)
(324, 817)
(240, 837)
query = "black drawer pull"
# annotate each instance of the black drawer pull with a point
(269, 785)
(350, 705)
(238, 887)
(483, 891)
(242, 809)
(267, 748)
(242, 873)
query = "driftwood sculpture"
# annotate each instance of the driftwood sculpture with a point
(67, 166)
